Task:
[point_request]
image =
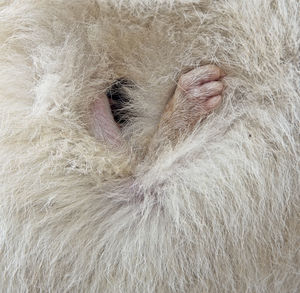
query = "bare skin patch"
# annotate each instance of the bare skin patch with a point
(103, 125)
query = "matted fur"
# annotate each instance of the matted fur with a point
(219, 213)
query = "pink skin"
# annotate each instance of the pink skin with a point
(103, 125)
(198, 92)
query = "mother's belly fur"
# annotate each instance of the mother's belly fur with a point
(217, 212)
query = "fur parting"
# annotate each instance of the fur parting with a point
(217, 213)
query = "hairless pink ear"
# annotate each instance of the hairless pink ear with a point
(102, 123)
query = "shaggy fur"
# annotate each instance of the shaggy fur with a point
(219, 212)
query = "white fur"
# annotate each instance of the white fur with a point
(219, 213)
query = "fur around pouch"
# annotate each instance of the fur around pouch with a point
(219, 212)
